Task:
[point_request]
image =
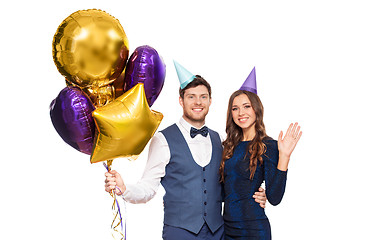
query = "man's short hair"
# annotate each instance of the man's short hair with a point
(198, 80)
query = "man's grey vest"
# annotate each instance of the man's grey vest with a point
(193, 193)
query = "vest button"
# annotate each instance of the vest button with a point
(204, 203)
(204, 180)
(205, 214)
(203, 169)
(205, 191)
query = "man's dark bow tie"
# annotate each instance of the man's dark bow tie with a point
(203, 131)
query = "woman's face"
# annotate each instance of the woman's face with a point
(242, 112)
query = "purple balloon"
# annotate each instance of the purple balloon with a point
(147, 67)
(71, 115)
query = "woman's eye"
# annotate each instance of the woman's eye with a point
(234, 109)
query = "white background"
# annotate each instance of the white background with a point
(321, 63)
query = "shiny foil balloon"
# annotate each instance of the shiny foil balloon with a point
(99, 96)
(71, 115)
(90, 48)
(147, 67)
(124, 126)
(119, 84)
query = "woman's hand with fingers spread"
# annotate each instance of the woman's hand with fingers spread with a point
(287, 144)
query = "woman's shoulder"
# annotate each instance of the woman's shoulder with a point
(269, 141)
(272, 151)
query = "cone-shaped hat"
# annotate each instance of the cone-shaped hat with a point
(184, 75)
(250, 83)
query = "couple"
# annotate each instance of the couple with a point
(199, 172)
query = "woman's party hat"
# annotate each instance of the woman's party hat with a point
(250, 83)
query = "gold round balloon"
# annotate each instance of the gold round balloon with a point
(90, 48)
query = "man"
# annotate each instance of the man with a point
(185, 159)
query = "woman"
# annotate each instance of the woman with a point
(249, 158)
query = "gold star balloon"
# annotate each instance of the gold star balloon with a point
(124, 126)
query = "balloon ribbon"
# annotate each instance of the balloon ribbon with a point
(117, 220)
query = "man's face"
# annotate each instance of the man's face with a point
(196, 104)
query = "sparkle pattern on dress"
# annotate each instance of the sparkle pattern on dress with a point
(244, 218)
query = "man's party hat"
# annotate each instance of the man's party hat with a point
(184, 75)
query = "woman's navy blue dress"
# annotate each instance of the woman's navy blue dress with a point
(243, 217)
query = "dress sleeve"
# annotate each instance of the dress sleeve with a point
(158, 157)
(275, 179)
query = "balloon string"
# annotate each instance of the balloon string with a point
(116, 211)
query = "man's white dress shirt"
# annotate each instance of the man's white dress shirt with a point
(159, 157)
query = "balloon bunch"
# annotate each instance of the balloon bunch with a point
(105, 109)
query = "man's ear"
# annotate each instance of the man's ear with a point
(181, 101)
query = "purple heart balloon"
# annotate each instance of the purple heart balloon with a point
(147, 67)
(71, 115)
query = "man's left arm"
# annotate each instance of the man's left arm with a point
(260, 197)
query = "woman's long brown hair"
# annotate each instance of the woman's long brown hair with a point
(256, 147)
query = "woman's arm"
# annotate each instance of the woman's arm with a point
(276, 165)
(275, 179)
